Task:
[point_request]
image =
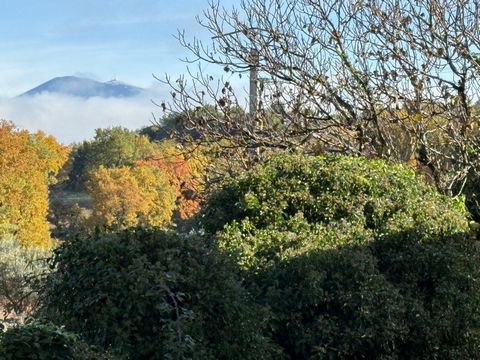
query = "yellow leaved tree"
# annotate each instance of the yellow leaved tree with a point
(131, 196)
(28, 164)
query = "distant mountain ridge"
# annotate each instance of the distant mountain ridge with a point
(85, 88)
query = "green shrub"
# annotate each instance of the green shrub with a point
(471, 189)
(335, 304)
(68, 220)
(417, 301)
(153, 295)
(44, 342)
(18, 265)
(273, 211)
(356, 258)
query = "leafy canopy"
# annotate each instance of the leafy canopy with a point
(28, 164)
(355, 258)
(130, 196)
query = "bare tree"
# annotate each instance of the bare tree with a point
(394, 79)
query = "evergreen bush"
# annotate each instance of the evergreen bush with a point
(356, 258)
(45, 342)
(153, 295)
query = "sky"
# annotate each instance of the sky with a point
(100, 39)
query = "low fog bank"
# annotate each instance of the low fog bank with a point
(73, 119)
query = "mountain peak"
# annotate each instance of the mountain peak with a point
(85, 88)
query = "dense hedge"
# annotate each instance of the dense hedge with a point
(154, 295)
(356, 258)
(45, 342)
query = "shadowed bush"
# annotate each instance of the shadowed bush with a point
(356, 258)
(154, 295)
(45, 342)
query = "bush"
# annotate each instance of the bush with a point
(356, 258)
(44, 342)
(153, 295)
(67, 220)
(335, 304)
(274, 210)
(418, 301)
(472, 194)
(18, 265)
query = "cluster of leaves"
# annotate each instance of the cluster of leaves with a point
(6, 228)
(45, 342)
(131, 181)
(154, 295)
(130, 196)
(472, 195)
(28, 163)
(184, 168)
(356, 258)
(170, 127)
(111, 147)
(321, 195)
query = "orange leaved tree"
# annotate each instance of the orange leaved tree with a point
(184, 169)
(28, 164)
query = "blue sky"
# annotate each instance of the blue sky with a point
(101, 39)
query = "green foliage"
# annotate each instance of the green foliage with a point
(335, 304)
(153, 295)
(44, 342)
(356, 258)
(171, 127)
(277, 208)
(68, 219)
(17, 266)
(76, 167)
(472, 195)
(117, 146)
(112, 147)
(394, 299)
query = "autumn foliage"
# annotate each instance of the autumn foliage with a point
(130, 196)
(149, 192)
(28, 164)
(184, 170)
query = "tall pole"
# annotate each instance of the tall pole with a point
(253, 94)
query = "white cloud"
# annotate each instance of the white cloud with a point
(72, 119)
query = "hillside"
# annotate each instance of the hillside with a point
(85, 88)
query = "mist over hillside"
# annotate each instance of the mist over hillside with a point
(71, 108)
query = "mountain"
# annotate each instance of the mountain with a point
(85, 88)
